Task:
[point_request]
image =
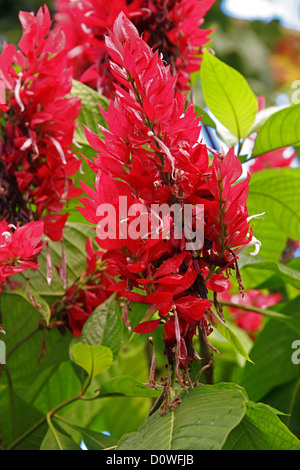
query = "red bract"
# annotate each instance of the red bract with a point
(19, 248)
(228, 223)
(172, 27)
(36, 158)
(151, 156)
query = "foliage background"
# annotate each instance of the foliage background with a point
(251, 48)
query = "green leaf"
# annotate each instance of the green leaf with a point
(272, 354)
(286, 397)
(276, 193)
(75, 236)
(282, 129)
(104, 327)
(93, 359)
(90, 115)
(261, 429)
(57, 440)
(228, 95)
(126, 386)
(95, 440)
(263, 115)
(202, 421)
(29, 349)
(206, 120)
(230, 336)
(16, 418)
(124, 414)
(286, 273)
(34, 300)
(56, 385)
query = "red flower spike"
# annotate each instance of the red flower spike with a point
(36, 158)
(152, 155)
(172, 28)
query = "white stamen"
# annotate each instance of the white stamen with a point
(7, 236)
(168, 154)
(75, 52)
(59, 149)
(17, 93)
(256, 216)
(26, 145)
(85, 29)
(255, 242)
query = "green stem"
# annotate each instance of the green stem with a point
(240, 146)
(206, 359)
(250, 308)
(157, 403)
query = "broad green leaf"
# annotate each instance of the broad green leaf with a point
(124, 414)
(276, 193)
(104, 327)
(263, 115)
(285, 273)
(261, 429)
(228, 95)
(286, 397)
(34, 299)
(57, 384)
(45, 391)
(57, 440)
(264, 268)
(206, 120)
(29, 349)
(93, 359)
(272, 354)
(75, 236)
(90, 115)
(282, 129)
(202, 421)
(16, 418)
(126, 386)
(95, 440)
(230, 336)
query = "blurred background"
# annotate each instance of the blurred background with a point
(260, 38)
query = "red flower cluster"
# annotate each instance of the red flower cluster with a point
(87, 293)
(152, 157)
(19, 248)
(37, 125)
(170, 26)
